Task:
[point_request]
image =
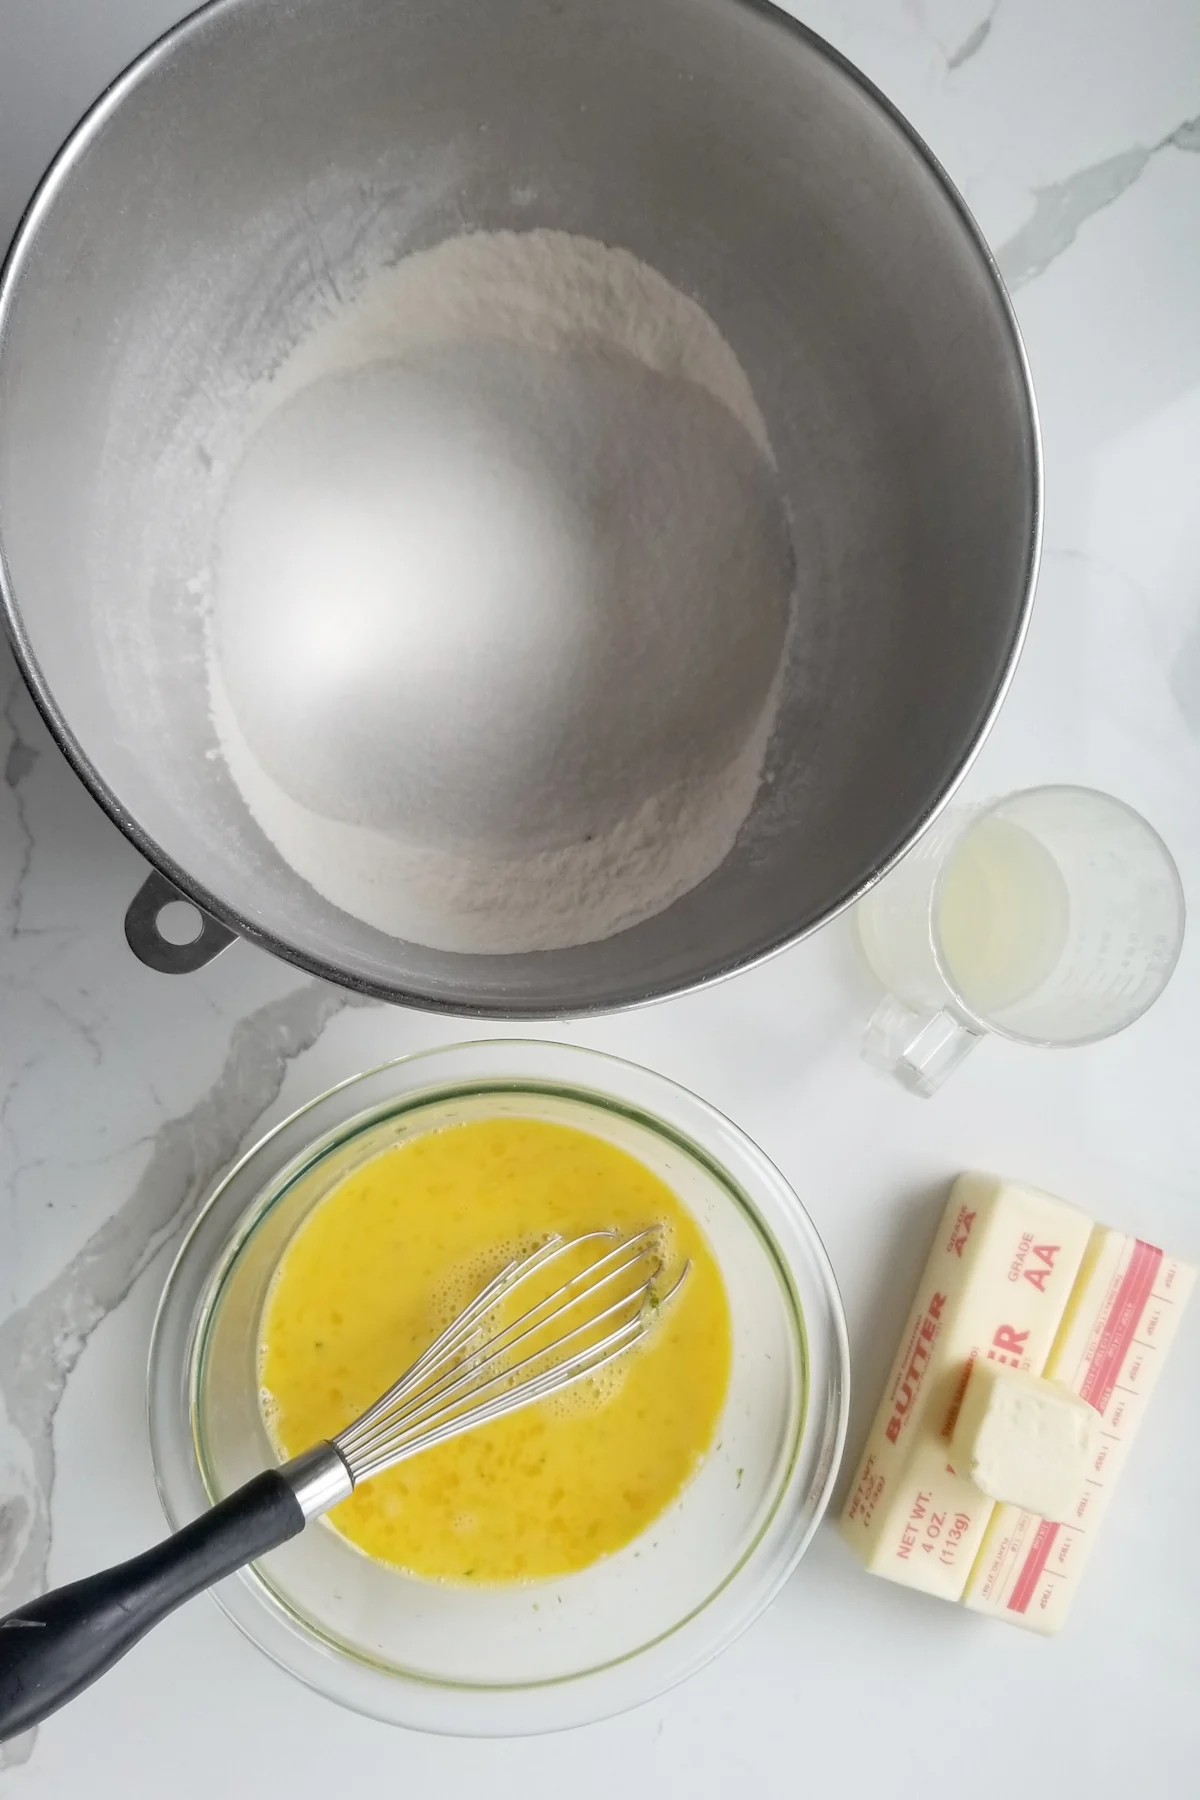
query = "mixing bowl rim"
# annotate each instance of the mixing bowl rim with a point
(337, 1137)
(511, 1006)
(241, 1230)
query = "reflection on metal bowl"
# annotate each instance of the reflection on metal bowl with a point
(254, 157)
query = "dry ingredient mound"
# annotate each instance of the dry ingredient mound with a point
(500, 590)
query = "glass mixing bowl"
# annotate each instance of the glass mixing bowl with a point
(546, 1654)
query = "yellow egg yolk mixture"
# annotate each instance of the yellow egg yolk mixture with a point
(385, 1261)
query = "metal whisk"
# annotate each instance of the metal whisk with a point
(461, 1381)
(490, 1361)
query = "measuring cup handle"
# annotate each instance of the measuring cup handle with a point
(919, 1048)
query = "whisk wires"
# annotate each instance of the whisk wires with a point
(488, 1363)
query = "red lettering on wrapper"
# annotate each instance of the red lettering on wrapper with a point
(960, 1231)
(1022, 1251)
(910, 1381)
(959, 1526)
(1045, 1254)
(1031, 1571)
(910, 1534)
(866, 1494)
(1118, 1328)
(1008, 1346)
(960, 1389)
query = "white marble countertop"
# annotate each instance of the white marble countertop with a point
(1074, 131)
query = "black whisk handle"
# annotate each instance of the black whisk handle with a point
(54, 1647)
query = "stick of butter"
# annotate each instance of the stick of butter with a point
(1024, 1439)
(1113, 1342)
(995, 1287)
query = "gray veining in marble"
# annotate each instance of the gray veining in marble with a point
(1062, 208)
(41, 1342)
(972, 44)
(20, 761)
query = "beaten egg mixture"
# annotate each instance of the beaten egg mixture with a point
(388, 1258)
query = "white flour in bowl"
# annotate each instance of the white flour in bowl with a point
(500, 592)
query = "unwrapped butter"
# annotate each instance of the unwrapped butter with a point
(1024, 1440)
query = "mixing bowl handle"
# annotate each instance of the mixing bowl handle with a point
(146, 939)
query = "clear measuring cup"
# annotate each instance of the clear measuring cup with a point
(1053, 917)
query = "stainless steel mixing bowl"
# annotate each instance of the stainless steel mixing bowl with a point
(261, 156)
